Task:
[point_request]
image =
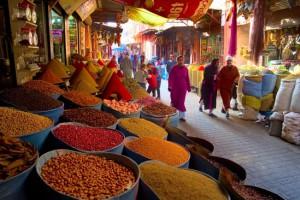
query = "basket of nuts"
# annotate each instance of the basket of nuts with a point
(106, 176)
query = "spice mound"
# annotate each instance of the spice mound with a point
(17, 123)
(159, 109)
(136, 91)
(88, 138)
(82, 98)
(179, 184)
(143, 128)
(15, 156)
(157, 149)
(122, 106)
(28, 99)
(87, 176)
(89, 116)
(43, 87)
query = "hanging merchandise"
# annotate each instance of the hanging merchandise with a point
(181, 9)
(86, 9)
(233, 30)
(70, 6)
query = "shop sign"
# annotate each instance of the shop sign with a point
(178, 9)
(70, 6)
(86, 9)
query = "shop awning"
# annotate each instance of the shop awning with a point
(70, 5)
(86, 9)
(145, 17)
(181, 9)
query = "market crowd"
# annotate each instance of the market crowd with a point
(149, 76)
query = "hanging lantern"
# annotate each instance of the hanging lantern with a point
(149, 3)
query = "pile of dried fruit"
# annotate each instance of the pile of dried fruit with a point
(81, 98)
(159, 109)
(43, 87)
(88, 138)
(147, 101)
(15, 156)
(157, 149)
(142, 128)
(87, 176)
(136, 91)
(28, 99)
(122, 106)
(89, 116)
(17, 123)
(174, 183)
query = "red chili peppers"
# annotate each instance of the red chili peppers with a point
(88, 138)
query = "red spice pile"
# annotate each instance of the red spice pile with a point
(88, 138)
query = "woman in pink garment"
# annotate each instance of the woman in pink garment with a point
(179, 85)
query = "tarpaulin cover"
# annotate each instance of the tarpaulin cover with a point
(181, 9)
(145, 17)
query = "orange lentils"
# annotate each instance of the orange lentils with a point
(157, 149)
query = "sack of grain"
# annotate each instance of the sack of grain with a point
(291, 128)
(284, 95)
(268, 83)
(295, 105)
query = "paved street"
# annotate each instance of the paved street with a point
(270, 162)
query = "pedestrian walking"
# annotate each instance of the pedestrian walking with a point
(126, 66)
(179, 85)
(227, 77)
(209, 87)
(141, 75)
(152, 80)
(170, 63)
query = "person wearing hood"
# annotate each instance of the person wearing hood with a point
(227, 77)
(127, 67)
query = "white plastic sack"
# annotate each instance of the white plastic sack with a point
(295, 103)
(277, 116)
(284, 95)
(248, 113)
(291, 128)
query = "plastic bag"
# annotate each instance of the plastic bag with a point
(291, 128)
(252, 88)
(268, 83)
(252, 102)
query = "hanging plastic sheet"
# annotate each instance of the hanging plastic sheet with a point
(145, 17)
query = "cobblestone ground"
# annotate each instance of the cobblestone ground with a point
(270, 162)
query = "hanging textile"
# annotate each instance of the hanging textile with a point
(233, 30)
(181, 9)
(145, 17)
(257, 30)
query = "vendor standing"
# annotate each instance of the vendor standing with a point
(179, 85)
(227, 77)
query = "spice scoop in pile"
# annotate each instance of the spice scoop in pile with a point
(142, 128)
(84, 176)
(159, 109)
(29, 100)
(169, 182)
(15, 156)
(17, 123)
(122, 106)
(89, 116)
(157, 149)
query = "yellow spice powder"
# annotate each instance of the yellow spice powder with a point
(179, 184)
(143, 128)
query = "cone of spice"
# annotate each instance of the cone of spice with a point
(50, 77)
